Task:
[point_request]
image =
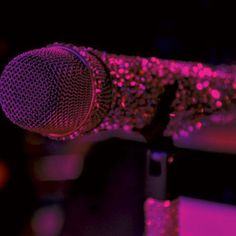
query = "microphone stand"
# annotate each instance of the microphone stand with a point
(159, 156)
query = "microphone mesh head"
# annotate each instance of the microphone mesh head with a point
(48, 90)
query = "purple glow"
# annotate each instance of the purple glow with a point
(47, 221)
(184, 133)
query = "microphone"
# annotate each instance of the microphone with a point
(63, 91)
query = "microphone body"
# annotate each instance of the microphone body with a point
(120, 92)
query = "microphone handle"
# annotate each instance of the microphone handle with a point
(198, 90)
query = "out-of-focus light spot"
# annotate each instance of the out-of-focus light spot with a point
(201, 74)
(200, 65)
(126, 65)
(218, 103)
(4, 174)
(186, 71)
(208, 71)
(47, 221)
(132, 83)
(150, 201)
(206, 84)
(199, 86)
(183, 133)
(121, 71)
(126, 127)
(123, 101)
(234, 85)
(171, 159)
(195, 69)
(120, 84)
(172, 115)
(167, 203)
(148, 222)
(199, 125)
(215, 93)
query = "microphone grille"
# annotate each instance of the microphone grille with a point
(48, 90)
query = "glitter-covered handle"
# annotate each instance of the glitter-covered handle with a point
(138, 83)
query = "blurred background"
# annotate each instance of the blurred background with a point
(107, 197)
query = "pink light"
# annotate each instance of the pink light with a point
(128, 77)
(145, 61)
(120, 84)
(200, 65)
(150, 201)
(115, 126)
(199, 86)
(167, 203)
(234, 85)
(170, 159)
(215, 93)
(185, 71)
(183, 133)
(205, 84)
(214, 74)
(121, 71)
(219, 104)
(202, 74)
(126, 65)
(195, 69)
(126, 128)
(141, 86)
(199, 125)
(154, 59)
(208, 71)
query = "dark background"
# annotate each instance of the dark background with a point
(200, 30)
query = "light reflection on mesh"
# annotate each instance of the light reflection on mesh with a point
(46, 90)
